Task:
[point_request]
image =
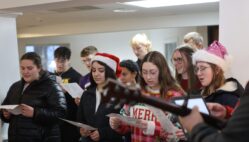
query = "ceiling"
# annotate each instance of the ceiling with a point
(53, 12)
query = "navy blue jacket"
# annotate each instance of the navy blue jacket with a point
(228, 94)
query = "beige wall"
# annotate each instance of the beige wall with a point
(234, 32)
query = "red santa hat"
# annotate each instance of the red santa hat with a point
(216, 54)
(110, 60)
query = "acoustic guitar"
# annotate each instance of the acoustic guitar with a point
(118, 94)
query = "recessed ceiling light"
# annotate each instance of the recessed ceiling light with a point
(164, 3)
(124, 10)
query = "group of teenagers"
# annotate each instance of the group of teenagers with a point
(198, 71)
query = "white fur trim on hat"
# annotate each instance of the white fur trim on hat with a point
(205, 56)
(108, 61)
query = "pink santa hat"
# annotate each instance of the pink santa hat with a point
(216, 54)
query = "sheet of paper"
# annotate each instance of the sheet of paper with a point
(14, 109)
(80, 125)
(128, 120)
(73, 89)
(165, 122)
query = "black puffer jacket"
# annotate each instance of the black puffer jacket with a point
(48, 101)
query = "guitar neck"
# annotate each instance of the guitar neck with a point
(179, 110)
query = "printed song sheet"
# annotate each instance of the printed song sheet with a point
(165, 122)
(73, 89)
(128, 120)
(80, 125)
(14, 109)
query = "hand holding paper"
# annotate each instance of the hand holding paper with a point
(84, 132)
(13, 109)
(80, 125)
(6, 114)
(166, 124)
(114, 122)
(95, 135)
(27, 110)
(77, 101)
(128, 120)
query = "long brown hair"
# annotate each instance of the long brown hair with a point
(166, 80)
(217, 81)
(187, 52)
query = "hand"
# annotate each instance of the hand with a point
(180, 134)
(165, 135)
(192, 119)
(77, 101)
(114, 122)
(142, 124)
(95, 135)
(27, 111)
(84, 132)
(217, 110)
(6, 114)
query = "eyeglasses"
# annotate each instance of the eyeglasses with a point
(177, 60)
(201, 69)
(62, 61)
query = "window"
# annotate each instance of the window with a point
(169, 49)
(47, 54)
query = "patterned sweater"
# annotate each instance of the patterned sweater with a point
(141, 111)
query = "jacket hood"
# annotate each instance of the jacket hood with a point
(246, 92)
(233, 86)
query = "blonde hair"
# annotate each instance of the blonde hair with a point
(195, 37)
(141, 39)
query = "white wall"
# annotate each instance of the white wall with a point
(234, 30)
(117, 43)
(8, 54)
(9, 57)
(113, 35)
